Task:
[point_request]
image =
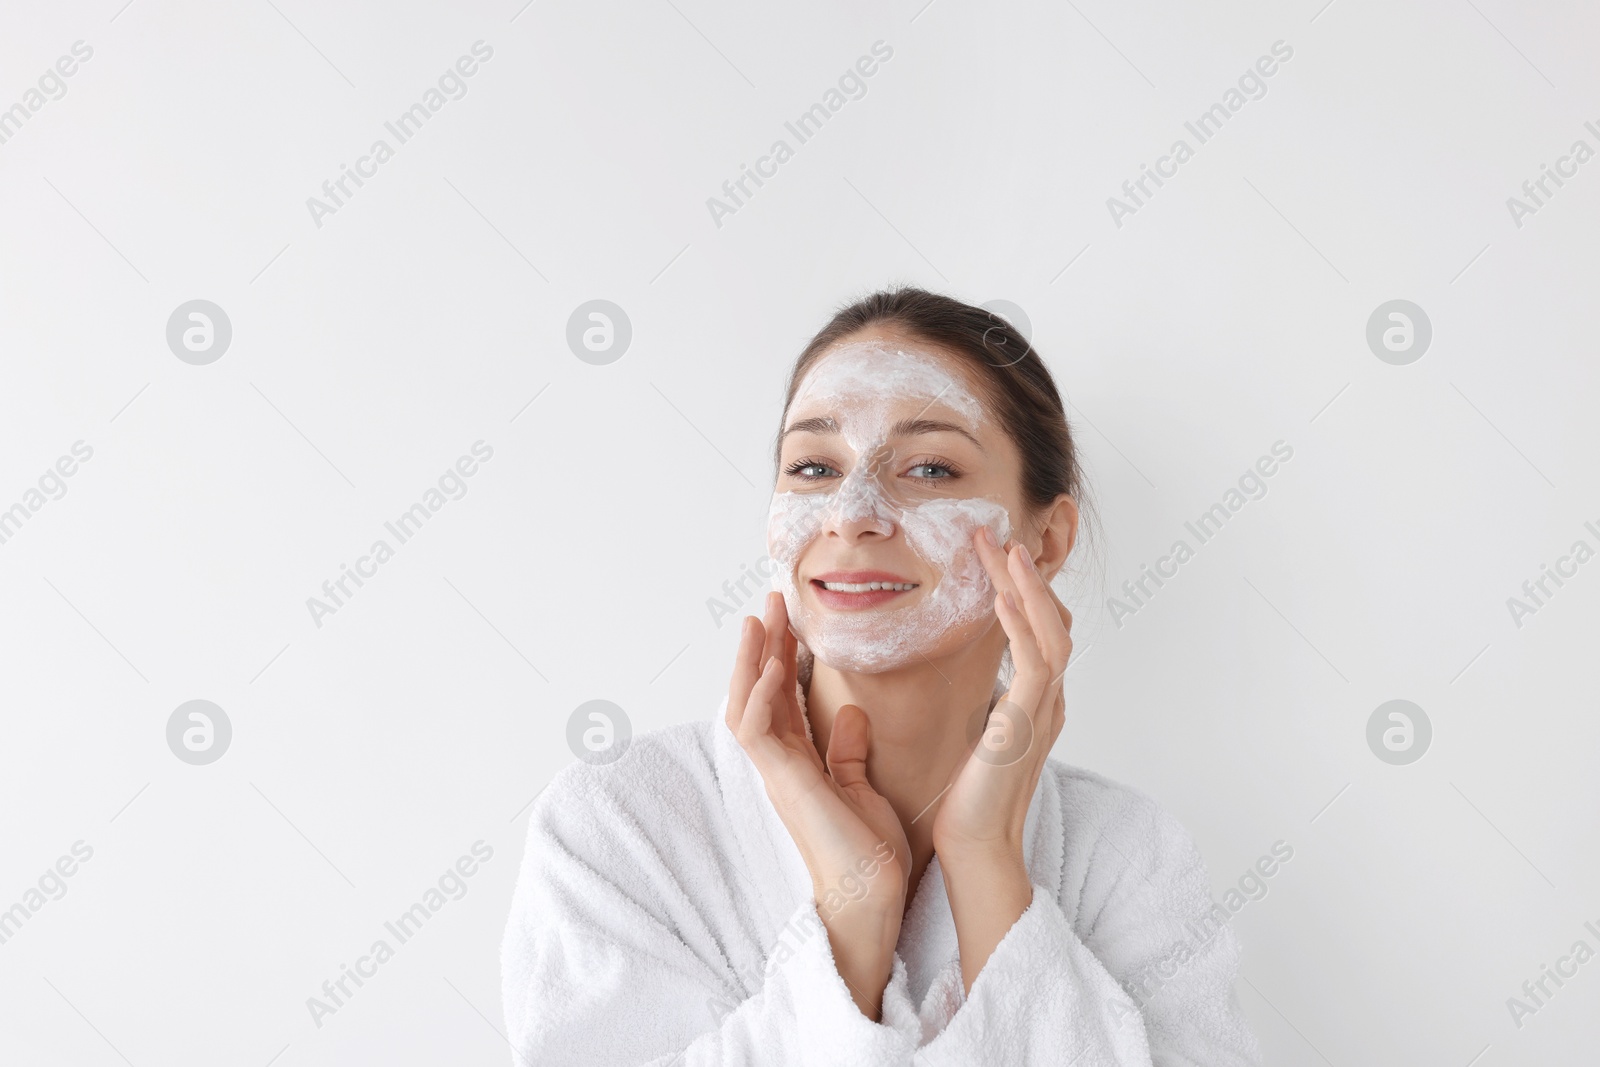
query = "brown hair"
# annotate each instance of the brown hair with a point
(1016, 383)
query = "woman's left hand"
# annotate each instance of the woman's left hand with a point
(983, 812)
(977, 832)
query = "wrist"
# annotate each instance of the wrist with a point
(868, 923)
(985, 878)
(863, 945)
(988, 891)
(862, 898)
(970, 856)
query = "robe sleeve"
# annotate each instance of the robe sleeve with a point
(1148, 984)
(604, 963)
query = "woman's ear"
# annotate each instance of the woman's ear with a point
(1058, 532)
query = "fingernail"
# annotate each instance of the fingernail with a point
(988, 535)
(772, 661)
(1011, 601)
(1027, 557)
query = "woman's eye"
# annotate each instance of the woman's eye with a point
(939, 471)
(809, 469)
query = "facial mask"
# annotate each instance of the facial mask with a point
(860, 385)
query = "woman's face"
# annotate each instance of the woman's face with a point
(889, 463)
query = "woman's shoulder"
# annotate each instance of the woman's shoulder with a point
(1122, 853)
(1090, 796)
(655, 817)
(665, 774)
(1100, 813)
(620, 851)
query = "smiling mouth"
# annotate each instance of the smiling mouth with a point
(859, 590)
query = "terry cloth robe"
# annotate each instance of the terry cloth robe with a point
(664, 916)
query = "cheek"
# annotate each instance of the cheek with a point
(941, 531)
(792, 521)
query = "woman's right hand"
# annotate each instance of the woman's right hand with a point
(836, 818)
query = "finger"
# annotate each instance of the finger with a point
(1040, 605)
(746, 669)
(1051, 704)
(1061, 608)
(1032, 677)
(776, 622)
(757, 721)
(993, 559)
(1051, 718)
(848, 745)
(1066, 621)
(996, 561)
(791, 690)
(774, 618)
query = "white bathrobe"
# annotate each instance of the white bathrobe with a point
(663, 915)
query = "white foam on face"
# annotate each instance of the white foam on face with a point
(864, 386)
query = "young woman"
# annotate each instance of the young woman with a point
(868, 857)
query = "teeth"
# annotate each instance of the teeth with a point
(867, 587)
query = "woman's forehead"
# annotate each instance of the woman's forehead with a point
(877, 374)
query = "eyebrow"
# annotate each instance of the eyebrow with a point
(824, 424)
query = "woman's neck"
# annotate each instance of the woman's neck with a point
(925, 718)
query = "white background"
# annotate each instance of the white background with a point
(372, 351)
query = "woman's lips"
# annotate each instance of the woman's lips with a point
(859, 590)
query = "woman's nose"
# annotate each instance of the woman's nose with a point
(860, 507)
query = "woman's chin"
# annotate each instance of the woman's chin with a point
(872, 643)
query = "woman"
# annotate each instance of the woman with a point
(868, 856)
